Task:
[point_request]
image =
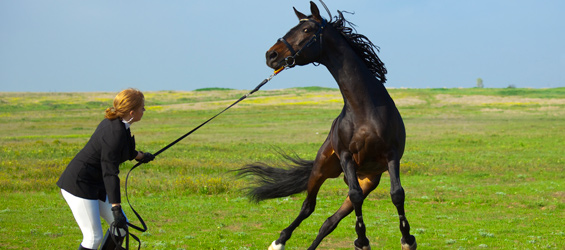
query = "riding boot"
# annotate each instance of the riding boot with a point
(80, 247)
(109, 244)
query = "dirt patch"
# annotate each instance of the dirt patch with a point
(560, 195)
(486, 100)
(409, 101)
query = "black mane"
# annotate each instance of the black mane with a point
(362, 46)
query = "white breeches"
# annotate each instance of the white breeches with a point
(87, 214)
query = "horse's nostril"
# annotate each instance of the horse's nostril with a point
(273, 55)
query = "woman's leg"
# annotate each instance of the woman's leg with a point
(106, 211)
(87, 216)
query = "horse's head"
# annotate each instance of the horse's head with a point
(302, 44)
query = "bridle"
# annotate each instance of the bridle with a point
(290, 60)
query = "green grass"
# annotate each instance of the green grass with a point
(483, 168)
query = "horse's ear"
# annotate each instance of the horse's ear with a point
(315, 11)
(299, 14)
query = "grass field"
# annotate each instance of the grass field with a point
(483, 168)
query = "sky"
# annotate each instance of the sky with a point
(108, 45)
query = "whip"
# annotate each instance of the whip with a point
(143, 227)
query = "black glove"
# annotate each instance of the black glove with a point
(120, 220)
(147, 157)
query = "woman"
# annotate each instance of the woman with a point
(90, 183)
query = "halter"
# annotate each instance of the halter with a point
(290, 60)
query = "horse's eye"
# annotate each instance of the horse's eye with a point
(306, 30)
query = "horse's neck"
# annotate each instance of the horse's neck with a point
(359, 87)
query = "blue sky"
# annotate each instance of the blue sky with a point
(71, 45)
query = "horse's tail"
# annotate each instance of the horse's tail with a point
(272, 182)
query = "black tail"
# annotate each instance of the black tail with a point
(272, 182)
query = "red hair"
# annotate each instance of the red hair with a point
(126, 101)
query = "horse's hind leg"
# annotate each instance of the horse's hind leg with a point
(307, 209)
(368, 185)
(408, 241)
(326, 166)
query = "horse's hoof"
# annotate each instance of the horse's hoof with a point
(367, 247)
(363, 248)
(406, 246)
(275, 246)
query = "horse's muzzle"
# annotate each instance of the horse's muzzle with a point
(272, 59)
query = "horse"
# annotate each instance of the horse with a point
(365, 140)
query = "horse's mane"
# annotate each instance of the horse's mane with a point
(362, 46)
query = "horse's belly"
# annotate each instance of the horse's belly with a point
(372, 167)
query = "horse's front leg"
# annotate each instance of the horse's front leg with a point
(356, 197)
(407, 241)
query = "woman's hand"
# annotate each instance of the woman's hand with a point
(120, 220)
(145, 157)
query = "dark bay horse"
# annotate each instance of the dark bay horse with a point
(365, 140)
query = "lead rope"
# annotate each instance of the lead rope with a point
(143, 227)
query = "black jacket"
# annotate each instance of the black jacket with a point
(93, 173)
